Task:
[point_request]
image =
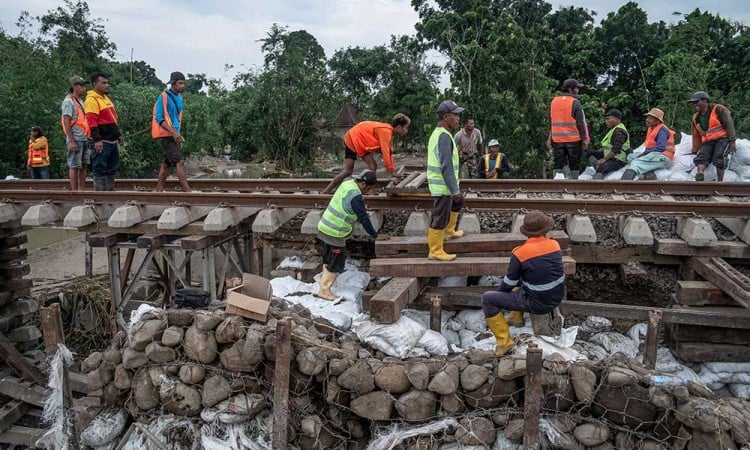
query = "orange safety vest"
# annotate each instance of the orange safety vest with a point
(498, 159)
(38, 157)
(563, 127)
(80, 120)
(651, 140)
(715, 129)
(158, 131)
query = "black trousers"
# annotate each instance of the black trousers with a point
(567, 154)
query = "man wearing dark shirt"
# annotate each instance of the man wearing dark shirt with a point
(615, 146)
(713, 135)
(568, 134)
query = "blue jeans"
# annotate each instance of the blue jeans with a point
(106, 163)
(39, 173)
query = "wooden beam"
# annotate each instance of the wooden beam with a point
(716, 335)
(721, 249)
(729, 280)
(107, 239)
(702, 293)
(704, 352)
(13, 241)
(52, 327)
(386, 305)
(601, 254)
(11, 412)
(467, 266)
(281, 372)
(472, 243)
(633, 273)
(13, 358)
(24, 436)
(14, 253)
(154, 240)
(15, 270)
(23, 390)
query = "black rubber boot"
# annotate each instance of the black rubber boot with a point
(629, 175)
(100, 183)
(574, 174)
(598, 176)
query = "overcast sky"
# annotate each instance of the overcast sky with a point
(201, 36)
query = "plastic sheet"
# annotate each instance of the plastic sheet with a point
(395, 435)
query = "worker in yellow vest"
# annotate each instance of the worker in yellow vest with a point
(496, 164)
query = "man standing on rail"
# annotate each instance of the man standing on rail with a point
(77, 132)
(659, 144)
(568, 135)
(166, 123)
(346, 207)
(105, 133)
(534, 282)
(442, 179)
(613, 155)
(713, 135)
(470, 146)
(366, 138)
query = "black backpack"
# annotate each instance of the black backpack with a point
(191, 298)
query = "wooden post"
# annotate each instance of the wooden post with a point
(652, 339)
(435, 313)
(281, 383)
(52, 327)
(114, 287)
(125, 271)
(13, 358)
(532, 397)
(88, 258)
(188, 268)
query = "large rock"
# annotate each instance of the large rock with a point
(511, 368)
(159, 353)
(207, 321)
(358, 378)
(625, 405)
(112, 356)
(452, 404)
(146, 332)
(122, 378)
(132, 359)
(91, 362)
(583, 381)
(252, 350)
(392, 378)
(373, 406)
(418, 374)
(417, 405)
(192, 373)
(215, 390)
(446, 381)
(145, 393)
(476, 431)
(180, 399)
(620, 376)
(491, 394)
(172, 336)
(180, 317)
(311, 360)
(232, 359)
(718, 440)
(232, 329)
(473, 376)
(514, 430)
(591, 434)
(703, 415)
(200, 345)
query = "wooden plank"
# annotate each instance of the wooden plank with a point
(154, 240)
(12, 254)
(107, 239)
(52, 327)
(472, 243)
(148, 227)
(13, 241)
(465, 266)
(281, 372)
(13, 358)
(717, 335)
(23, 390)
(702, 293)
(15, 271)
(633, 273)
(721, 249)
(600, 254)
(11, 412)
(703, 352)
(386, 305)
(24, 436)
(733, 284)
(417, 181)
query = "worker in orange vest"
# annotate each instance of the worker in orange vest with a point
(166, 126)
(568, 135)
(77, 132)
(713, 135)
(38, 159)
(366, 138)
(659, 145)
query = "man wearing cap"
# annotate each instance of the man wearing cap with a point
(495, 164)
(366, 138)
(442, 180)
(713, 135)
(105, 133)
(615, 146)
(568, 135)
(659, 145)
(469, 142)
(346, 207)
(534, 282)
(77, 132)
(166, 123)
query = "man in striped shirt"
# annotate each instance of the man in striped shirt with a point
(105, 133)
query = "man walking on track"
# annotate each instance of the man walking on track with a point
(166, 125)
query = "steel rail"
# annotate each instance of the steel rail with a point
(382, 202)
(481, 186)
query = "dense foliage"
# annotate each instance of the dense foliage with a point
(506, 59)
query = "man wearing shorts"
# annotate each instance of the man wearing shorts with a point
(713, 135)
(77, 131)
(165, 126)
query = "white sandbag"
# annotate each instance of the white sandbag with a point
(393, 436)
(392, 339)
(715, 374)
(616, 343)
(454, 324)
(469, 340)
(667, 363)
(237, 409)
(104, 428)
(593, 352)
(596, 324)
(452, 337)
(683, 155)
(677, 175)
(559, 176)
(503, 443)
(730, 176)
(708, 175)
(434, 342)
(663, 174)
(562, 344)
(490, 280)
(638, 333)
(291, 262)
(740, 390)
(587, 174)
(451, 281)
(473, 320)
(742, 156)
(616, 175)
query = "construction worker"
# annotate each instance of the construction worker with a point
(568, 135)
(613, 155)
(366, 138)
(470, 146)
(346, 207)
(534, 282)
(442, 179)
(77, 132)
(494, 163)
(713, 135)
(166, 124)
(659, 145)
(38, 155)
(105, 133)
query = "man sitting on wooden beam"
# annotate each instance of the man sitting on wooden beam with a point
(536, 268)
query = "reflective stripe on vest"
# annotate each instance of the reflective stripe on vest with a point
(80, 120)
(498, 159)
(715, 129)
(607, 146)
(435, 180)
(563, 127)
(38, 157)
(338, 217)
(651, 140)
(158, 131)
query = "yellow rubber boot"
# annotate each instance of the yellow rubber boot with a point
(515, 319)
(451, 231)
(327, 278)
(435, 241)
(499, 328)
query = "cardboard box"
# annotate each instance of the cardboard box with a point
(252, 299)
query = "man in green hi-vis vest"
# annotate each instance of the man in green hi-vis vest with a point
(346, 207)
(442, 179)
(613, 155)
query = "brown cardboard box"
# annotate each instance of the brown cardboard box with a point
(251, 299)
